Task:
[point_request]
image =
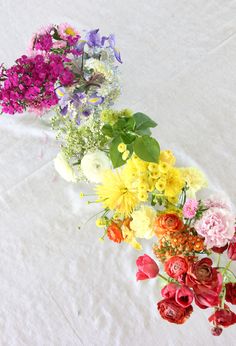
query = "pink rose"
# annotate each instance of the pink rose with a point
(147, 268)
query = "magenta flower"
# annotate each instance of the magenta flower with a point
(190, 208)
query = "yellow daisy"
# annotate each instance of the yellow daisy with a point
(194, 178)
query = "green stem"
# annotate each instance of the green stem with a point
(223, 298)
(218, 261)
(163, 277)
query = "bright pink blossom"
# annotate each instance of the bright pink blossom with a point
(190, 208)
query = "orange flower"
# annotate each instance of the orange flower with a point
(167, 223)
(114, 233)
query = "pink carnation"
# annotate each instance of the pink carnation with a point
(190, 208)
(216, 226)
(216, 202)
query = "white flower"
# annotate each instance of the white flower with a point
(93, 165)
(63, 167)
(143, 221)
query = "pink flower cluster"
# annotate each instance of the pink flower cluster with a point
(30, 83)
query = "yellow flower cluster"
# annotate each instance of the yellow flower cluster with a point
(162, 176)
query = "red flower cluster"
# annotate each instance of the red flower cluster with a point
(192, 281)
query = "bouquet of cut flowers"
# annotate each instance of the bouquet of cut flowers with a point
(144, 194)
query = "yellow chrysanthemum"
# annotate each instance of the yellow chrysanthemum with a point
(168, 157)
(116, 193)
(194, 178)
(174, 182)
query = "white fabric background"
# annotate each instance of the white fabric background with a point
(59, 285)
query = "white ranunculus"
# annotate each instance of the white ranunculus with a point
(93, 165)
(63, 167)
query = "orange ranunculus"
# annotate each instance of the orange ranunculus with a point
(114, 233)
(167, 223)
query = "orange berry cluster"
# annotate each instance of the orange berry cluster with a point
(183, 243)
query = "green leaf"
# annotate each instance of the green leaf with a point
(147, 148)
(143, 122)
(127, 138)
(107, 130)
(127, 124)
(115, 155)
(143, 132)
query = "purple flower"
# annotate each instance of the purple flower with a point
(95, 100)
(93, 38)
(111, 40)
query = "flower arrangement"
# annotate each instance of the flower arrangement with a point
(144, 194)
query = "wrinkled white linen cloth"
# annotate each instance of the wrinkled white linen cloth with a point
(58, 284)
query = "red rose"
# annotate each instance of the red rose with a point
(176, 266)
(202, 273)
(147, 268)
(114, 233)
(231, 293)
(205, 297)
(173, 312)
(219, 249)
(184, 296)
(232, 249)
(169, 290)
(223, 317)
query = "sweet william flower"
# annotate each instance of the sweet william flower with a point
(93, 164)
(147, 268)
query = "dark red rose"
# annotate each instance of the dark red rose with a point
(205, 297)
(232, 249)
(176, 266)
(231, 293)
(219, 249)
(184, 296)
(223, 317)
(202, 273)
(173, 312)
(216, 331)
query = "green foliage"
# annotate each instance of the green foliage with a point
(134, 131)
